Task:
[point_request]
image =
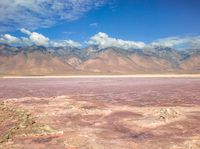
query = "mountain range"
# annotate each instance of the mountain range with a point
(39, 60)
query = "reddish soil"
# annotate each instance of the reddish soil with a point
(103, 113)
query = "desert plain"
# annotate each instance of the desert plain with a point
(100, 112)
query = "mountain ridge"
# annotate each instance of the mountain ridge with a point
(39, 60)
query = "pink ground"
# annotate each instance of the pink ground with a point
(106, 113)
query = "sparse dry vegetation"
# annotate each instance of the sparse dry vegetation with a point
(20, 123)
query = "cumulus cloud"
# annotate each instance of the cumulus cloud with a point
(33, 14)
(25, 31)
(26, 41)
(35, 38)
(66, 43)
(178, 42)
(169, 42)
(39, 39)
(103, 41)
(195, 42)
(9, 39)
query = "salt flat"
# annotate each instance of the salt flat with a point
(125, 112)
(113, 76)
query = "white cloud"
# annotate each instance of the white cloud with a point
(25, 31)
(9, 39)
(39, 39)
(178, 42)
(33, 14)
(95, 24)
(66, 43)
(36, 38)
(103, 41)
(195, 42)
(169, 42)
(68, 33)
(26, 41)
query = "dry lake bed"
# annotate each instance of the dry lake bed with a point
(100, 113)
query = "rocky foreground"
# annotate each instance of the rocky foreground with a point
(100, 113)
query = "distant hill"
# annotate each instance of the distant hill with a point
(38, 60)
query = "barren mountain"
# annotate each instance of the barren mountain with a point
(37, 60)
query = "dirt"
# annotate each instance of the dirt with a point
(100, 113)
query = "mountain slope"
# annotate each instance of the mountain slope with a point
(37, 60)
(33, 63)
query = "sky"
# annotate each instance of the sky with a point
(122, 23)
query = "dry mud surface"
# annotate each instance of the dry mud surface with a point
(100, 113)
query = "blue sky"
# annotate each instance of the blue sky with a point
(78, 20)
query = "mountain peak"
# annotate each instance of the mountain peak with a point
(40, 60)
